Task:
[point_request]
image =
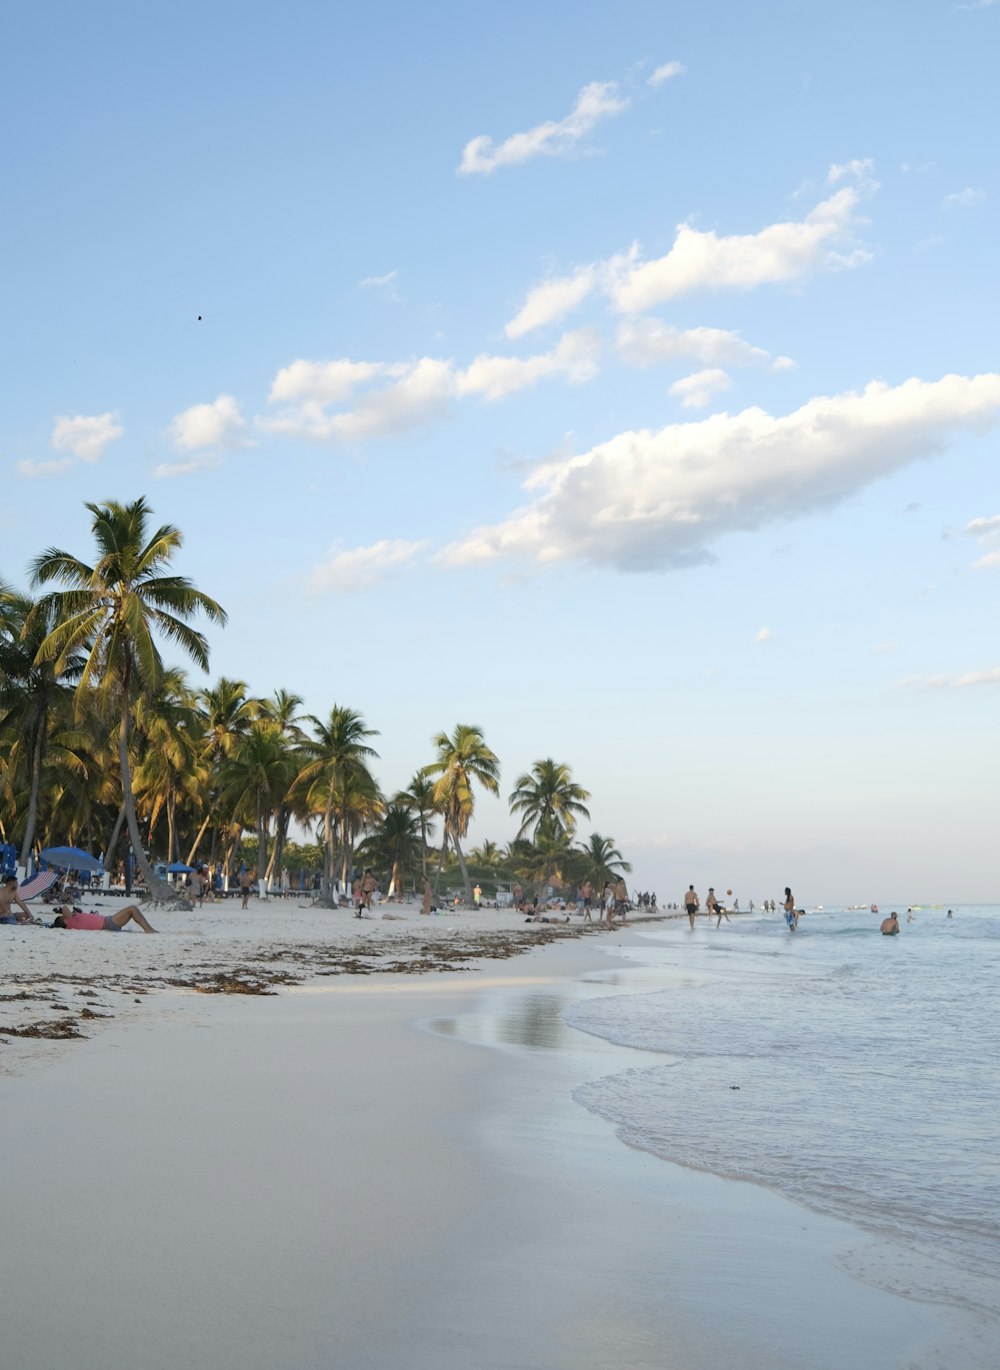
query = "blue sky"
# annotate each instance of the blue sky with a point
(622, 378)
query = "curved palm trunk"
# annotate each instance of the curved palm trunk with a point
(463, 867)
(197, 841)
(262, 821)
(444, 853)
(423, 845)
(160, 891)
(109, 850)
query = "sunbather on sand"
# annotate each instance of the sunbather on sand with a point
(8, 898)
(78, 921)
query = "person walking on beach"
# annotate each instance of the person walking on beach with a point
(244, 887)
(620, 905)
(76, 920)
(587, 898)
(368, 883)
(692, 904)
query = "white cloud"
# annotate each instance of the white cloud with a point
(416, 394)
(596, 101)
(219, 424)
(383, 285)
(779, 254)
(359, 567)
(696, 391)
(649, 500)
(986, 531)
(964, 199)
(166, 470)
(764, 635)
(646, 341)
(884, 648)
(552, 300)
(959, 682)
(323, 382)
(974, 5)
(861, 170)
(984, 527)
(666, 73)
(86, 436)
(574, 357)
(35, 470)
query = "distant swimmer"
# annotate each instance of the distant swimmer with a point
(791, 912)
(890, 926)
(691, 903)
(909, 916)
(950, 914)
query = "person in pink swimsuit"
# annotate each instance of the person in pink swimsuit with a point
(78, 921)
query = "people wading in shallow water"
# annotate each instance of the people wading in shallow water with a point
(791, 912)
(890, 926)
(691, 904)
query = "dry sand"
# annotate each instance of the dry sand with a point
(376, 1172)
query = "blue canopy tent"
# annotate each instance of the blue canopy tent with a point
(179, 868)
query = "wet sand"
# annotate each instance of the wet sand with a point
(391, 1173)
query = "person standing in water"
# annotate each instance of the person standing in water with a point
(791, 912)
(691, 904)
(890, 926)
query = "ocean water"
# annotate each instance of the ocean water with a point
(857, 1074)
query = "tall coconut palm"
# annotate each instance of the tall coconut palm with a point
(463, 760)
(112, 612)
(172, 764)
(393, 845)
(336, 778)
(548, 799)
(31, 694)
(257, 777)
(418, 797)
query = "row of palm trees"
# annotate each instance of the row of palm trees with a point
(96, 731)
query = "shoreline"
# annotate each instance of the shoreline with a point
(391, 1172)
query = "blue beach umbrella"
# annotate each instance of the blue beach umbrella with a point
(71, 859)
(179, 868)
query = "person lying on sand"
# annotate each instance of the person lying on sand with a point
(78, 921)
(541, 916)
(8, 898)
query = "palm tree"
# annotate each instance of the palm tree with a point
(419, 798)
(172, 764)
(393, 844)
(463, 759)
(31, 693)
(257, 778)
(604, 859)
(111, 612)
(338, 782)
(548, 799)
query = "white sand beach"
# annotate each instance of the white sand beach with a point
(379, 1171)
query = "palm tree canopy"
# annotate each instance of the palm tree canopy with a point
(548, 799)
(463, 759)
(113, 609)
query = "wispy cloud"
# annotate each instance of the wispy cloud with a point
(38, 470)
(650, 500)
(356, 568)
(964, 199)
(666, 73)
(597, 101)
(696, 391)
(385, 286)
(552, 299)
(974, 5)
(647, 342)
(86, 436)
(763, 635)
(986, 531)
(954, 682)
(167, 470)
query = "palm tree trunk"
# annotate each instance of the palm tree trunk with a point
(444, 853)
(157, 889)
(423, 845)
(464, 869)
(197, 840)
(36, 785)
(109, 851)
(262, 820)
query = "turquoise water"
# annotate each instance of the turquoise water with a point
(857, 1074)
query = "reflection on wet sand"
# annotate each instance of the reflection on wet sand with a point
(528, 1020)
